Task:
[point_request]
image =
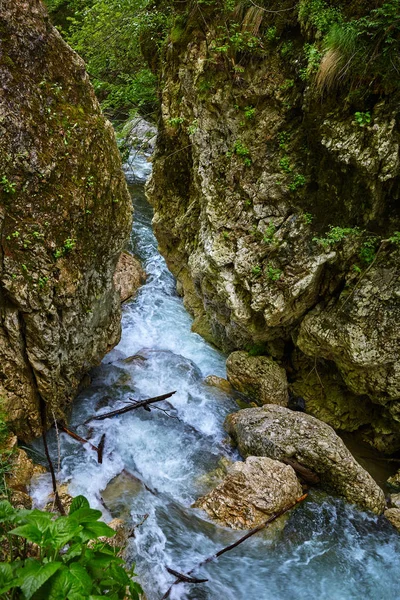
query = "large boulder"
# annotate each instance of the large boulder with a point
(259, 377)
(65, 216)
(251, 492)
(278, 433)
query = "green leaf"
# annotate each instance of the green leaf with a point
(29, 532)
(7, 511)
(7, 578)
(77, 503)
(119, 574)
(86, 515)
(34, 575)
(64, 530)
(95, 530)
(82, 582)
(58, 586)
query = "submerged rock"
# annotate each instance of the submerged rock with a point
(251, 492)
(278, 433)
(129, 276)
(65, 216)
(259, 377)
(220, 383)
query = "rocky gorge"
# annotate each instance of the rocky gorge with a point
(276, 207)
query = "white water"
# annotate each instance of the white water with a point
(328, 550)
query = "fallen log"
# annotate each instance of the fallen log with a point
(125, 409)
(77, 437)
(185, 578)
(230, 547)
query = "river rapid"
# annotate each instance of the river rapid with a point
(157, 463)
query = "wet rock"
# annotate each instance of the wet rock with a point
(128, 276)
(278, 432)
(393, 515)
(251, 492)
(259, 377)
(394, 482)
(220, 383)
(65, 216)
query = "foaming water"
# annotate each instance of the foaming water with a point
(156, 464)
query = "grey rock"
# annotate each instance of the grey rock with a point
(278, 432)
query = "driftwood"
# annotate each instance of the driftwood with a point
(125, 409)
(78, 438)
(304, 472)
(180, 576)
(100, 449)
(185, 578)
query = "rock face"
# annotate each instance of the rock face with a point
(251, 492)
(259, 377)
(251, 169)
(128, 276)
(278, 433)
(65, 215)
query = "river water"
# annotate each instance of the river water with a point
(156, 464)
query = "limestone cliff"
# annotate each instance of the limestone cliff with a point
(65, 215)
(276, 207)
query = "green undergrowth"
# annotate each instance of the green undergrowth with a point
(61, 557)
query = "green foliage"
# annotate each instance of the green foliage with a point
(273, 273)
(395, 238)
(269, 234)
(313, 57)
(241, 150)
(7, 185)
(308, 218)
(284, 164)
(106, 33)
(69, 245)
(175, 121)
(193, 127)
(362, 118)
(368, 250)
(249, 112)
(336, 235)
(319, 14)
(298, 182)
(283, 139)
(70, 562)
(271, 35)
(256, 270)
(368, 49)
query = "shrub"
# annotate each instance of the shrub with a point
(61, 558)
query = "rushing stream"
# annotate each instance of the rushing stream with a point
(156, 464)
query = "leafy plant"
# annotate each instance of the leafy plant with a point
(175, 121)
(249, 112)
(8, 186)
(69, 562)
(368, 250)
(256, 270)
(336, 235)
(298, 181)
(308, 218)
(395, 238)
(284, 164)
(241, 150)
(273, 273)
(362, 118)
(69, 245)
(269, 234)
